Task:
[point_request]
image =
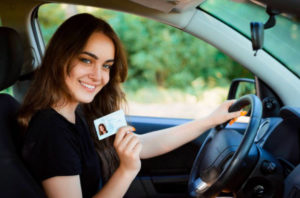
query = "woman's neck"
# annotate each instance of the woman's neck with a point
(67, 110)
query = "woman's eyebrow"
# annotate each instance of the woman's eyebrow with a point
(110, 60)
(90, 54)
(96, 57)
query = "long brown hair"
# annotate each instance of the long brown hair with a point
(49, 87)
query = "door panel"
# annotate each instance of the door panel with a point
(144, 124)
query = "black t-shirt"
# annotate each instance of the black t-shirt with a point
(53, 146)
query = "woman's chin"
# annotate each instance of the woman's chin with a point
(86, 100)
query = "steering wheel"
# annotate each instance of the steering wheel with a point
(221, 157)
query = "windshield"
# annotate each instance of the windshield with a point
(281, 41)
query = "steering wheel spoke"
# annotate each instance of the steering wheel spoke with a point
(200, 185)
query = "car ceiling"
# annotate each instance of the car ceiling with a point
(287, 6)
(176, 19)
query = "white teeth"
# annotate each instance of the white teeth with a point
(87, 86)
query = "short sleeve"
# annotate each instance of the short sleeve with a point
(52, 151)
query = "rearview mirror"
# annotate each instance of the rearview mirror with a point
(257, 29)
(257, 35)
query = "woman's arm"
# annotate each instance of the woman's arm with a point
(117, 185)
(69, 186)
(62, 186)
(128, 148)
(162, 141)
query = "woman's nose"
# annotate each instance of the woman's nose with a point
(96, 73)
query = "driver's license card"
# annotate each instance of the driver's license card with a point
(108, 125)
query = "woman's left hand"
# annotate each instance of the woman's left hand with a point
(221, 114)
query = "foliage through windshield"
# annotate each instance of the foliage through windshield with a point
(157, 54)
(281, 41)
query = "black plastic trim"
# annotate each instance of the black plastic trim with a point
(36, 29)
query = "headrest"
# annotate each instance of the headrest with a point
(11, 57)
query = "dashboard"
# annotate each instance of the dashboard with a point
(280, 136)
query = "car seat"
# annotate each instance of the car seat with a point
(15, 179)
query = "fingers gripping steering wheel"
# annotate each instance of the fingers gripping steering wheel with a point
(214, 166)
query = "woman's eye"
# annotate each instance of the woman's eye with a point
(107, 66)
(84, 60)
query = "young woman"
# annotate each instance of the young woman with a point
(79, 81)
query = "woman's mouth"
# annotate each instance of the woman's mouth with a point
(88, 86)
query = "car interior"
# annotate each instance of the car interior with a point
(259, 158)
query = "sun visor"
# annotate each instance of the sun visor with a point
(169, 5)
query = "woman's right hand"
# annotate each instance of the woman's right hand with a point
(128, 148)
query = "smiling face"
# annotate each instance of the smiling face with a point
(91, 68)
(101, 127)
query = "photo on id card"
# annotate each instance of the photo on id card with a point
(108, 125)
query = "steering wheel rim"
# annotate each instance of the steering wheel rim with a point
(196, 186)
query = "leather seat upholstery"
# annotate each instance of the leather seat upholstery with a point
(11, 56)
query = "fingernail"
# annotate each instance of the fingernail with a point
(243, 113)
(232, 121)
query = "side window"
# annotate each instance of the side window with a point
(171, 73)
(7, 91)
